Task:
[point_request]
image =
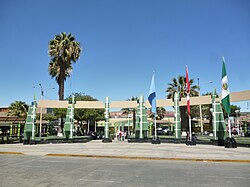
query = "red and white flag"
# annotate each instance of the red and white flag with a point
(188, 91)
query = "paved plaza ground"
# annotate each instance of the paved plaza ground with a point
(125, 150)
(123, 164)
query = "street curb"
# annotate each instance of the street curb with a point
(11, 153)
(149, 158)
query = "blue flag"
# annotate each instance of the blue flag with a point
(152, 95)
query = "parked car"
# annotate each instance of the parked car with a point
(160, 131)
(99, 135)
(166, 131)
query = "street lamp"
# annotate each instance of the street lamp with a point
(41, 109)
(199, 89)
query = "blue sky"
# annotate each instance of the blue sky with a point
(123, 42)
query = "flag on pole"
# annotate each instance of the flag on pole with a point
(188, 91)
(225, 99)
(152, 95)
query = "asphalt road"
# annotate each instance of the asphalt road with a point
(42, 171)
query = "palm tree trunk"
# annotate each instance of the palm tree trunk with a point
(134, 120)
(61, 88)
(61, 79)
(61, 94)
(184, 119)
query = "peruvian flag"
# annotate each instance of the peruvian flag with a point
(188, 91)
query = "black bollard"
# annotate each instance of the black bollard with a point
(230, 143)
(106, 140)
(156, 140)
(192, 141)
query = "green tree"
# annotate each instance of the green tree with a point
(131, 110)
(49, 117)
(178, 85)
(89, 115)
(233, 109)
(18, 109)
(63, 50)
(60, 112)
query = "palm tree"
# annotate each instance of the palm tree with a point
(18, 109)
(63, 50)
(178, 85)
(160, 113)
(131, 110)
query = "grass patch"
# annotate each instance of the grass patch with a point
(243, 140)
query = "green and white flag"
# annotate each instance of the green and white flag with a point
(225, 99)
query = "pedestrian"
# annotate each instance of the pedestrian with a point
(117, 134)
(122, 135)
(194, 138)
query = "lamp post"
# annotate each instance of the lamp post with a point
(41, 109)
(199, 92)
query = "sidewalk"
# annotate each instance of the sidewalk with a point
(125, 150)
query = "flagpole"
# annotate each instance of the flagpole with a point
(176, 135)
(141, 101)
(152, 102)
(188, 104)
(190, 133)
(155, 126)
(229, 127)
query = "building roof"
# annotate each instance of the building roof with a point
(4, 118)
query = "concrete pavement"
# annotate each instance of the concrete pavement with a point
(125, 150)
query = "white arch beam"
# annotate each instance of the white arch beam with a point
(234, 97)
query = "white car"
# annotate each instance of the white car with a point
(165, 130)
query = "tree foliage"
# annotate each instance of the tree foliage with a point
(233, 109)
(60, 112)
(87, 114)
(49, 117)
(179, 85)
(18, 109)
(81, 115)
(160, 113)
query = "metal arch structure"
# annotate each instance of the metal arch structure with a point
(202, 100)
(234, 97)
(30, 121)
